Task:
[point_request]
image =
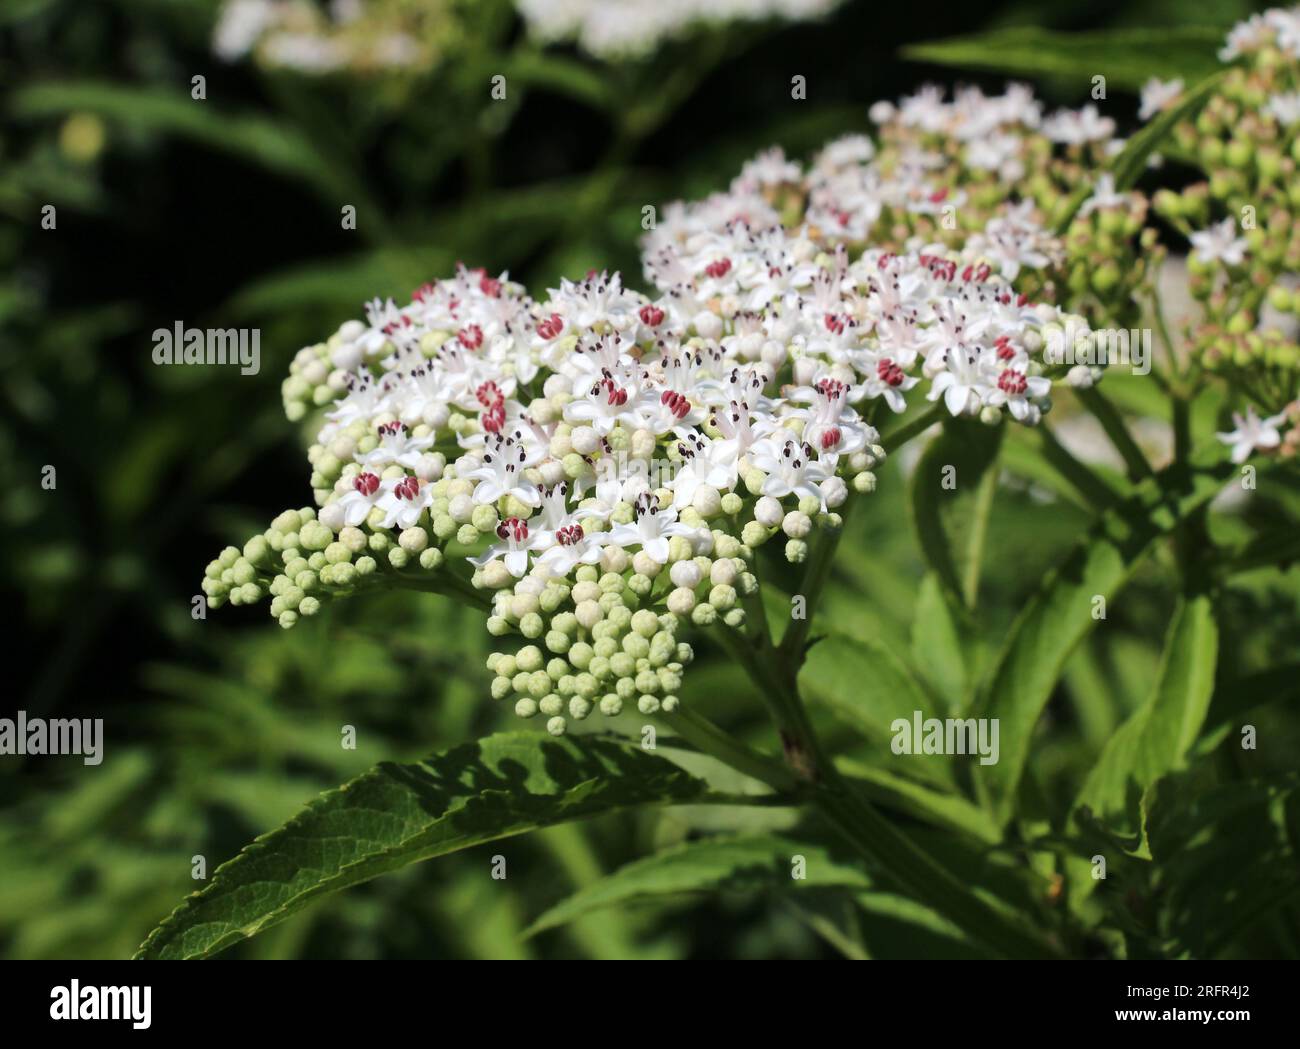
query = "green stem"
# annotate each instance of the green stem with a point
(707, 737)
(899, 859)
(1113, 423)
(898, 437)
(1098, 493)
(814, 580)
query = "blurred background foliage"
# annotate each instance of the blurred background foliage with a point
(226, 212)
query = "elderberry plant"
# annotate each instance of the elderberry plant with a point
(616, 478)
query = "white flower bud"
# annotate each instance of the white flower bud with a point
(796, 524)
(1080, 377)
(644, 564)
(682, 600)
(707, 324)
(685, 574)
(643, 444)
(496, 575)
(805, 370)
(430, 466)
(707, 500)
(584, 440)
(834, 491)
(332, 516)
(768, 512)
(551, 472)
(461, 509)
(723, 572)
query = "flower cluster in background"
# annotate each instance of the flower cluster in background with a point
(1241, 221)
(634, 28)
(363, 36)
(359, 36)
(997, 176)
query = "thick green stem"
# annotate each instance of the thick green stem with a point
(706, 737)
(1098, 493)
(893, 854)
(1113, 423)
(893, 440)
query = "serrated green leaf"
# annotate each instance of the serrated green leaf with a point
(395, 815)
(749, 864)
(1132, 56)
(1225, 856)
(1158, 736)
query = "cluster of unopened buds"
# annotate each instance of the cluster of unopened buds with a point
(599, 468)
(1243, 223)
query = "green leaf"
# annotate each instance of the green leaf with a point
(942, 645)
(1132, 56)
(746, 864)
(1060, 615)
(1224, 856)
(866, 685)
(1131, 161)
(1156, 739)
(264, 141)
(395, 815)
(951, 811)
(950, 468)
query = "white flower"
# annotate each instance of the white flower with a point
(1104, 195)
(651, 528)
(963, 384)
(1158, 95)
(1285, 108)
(501, 473)
(364, 496)
(791, 467)
(517, 540)
(403, 501)
(396, 447)
(1219, 243)
(1252, 434)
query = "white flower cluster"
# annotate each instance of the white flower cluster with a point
(1278, 28)
(357, 35)
(609, 461)
(634, 28)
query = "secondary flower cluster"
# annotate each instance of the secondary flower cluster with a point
(365, 36)
(996, 177)
(634, 28)
(1243, 222)
(360, 36)
(609, 462)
